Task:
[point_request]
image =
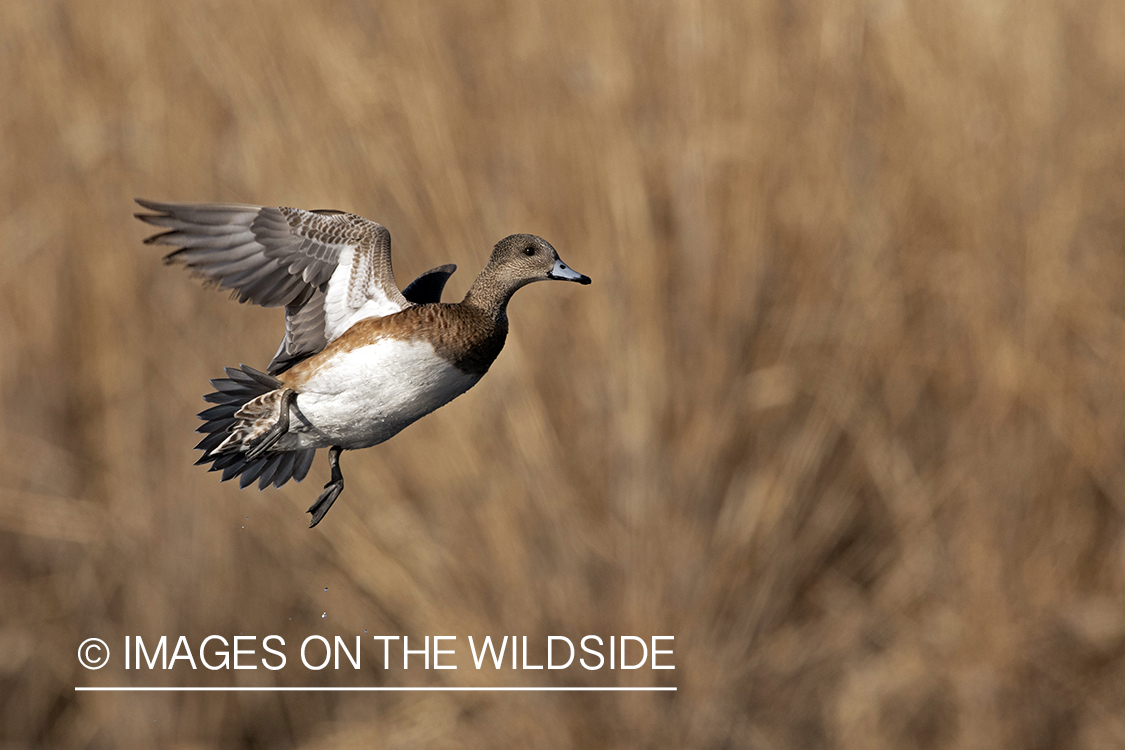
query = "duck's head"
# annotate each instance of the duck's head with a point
(516, 261)
(524, 258)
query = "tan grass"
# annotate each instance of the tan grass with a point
(842, 410)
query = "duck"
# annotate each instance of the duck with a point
(360, 359)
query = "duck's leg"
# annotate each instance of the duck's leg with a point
(266, 441)
(332, 490)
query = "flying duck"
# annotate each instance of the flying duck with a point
(360, 359)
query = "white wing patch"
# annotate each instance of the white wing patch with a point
(353, 294)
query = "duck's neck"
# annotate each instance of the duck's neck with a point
(490, 294)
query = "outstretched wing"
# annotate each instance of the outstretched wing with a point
(304, 333)
(329, 269)
(428, 287)
(304, 324)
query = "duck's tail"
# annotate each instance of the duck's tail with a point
(241, 401)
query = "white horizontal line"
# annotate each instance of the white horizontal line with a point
(367, 689)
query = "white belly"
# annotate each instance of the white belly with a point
(367, 395)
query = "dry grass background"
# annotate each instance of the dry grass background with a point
(842, 411)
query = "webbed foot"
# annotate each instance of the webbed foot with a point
(332, 489)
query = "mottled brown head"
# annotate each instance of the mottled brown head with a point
(516, 261)
(524, 258)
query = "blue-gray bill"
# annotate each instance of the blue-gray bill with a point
(562, 272)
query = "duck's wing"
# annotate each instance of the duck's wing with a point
(304, 324)
(305, 333)
(428, 287)
(328, 268)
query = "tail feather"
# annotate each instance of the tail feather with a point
(217, 426)
(220, 397)
(208, 444)
(272, 463)
(225, 460)
(244, 395)
(254, 418)
(285, 471)
(304, 463)
(252, 471)
(233, 469)
(216, 412)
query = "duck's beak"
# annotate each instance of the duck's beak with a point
(563, 273)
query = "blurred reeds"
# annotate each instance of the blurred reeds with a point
(842, 411)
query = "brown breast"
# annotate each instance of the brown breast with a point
(460, 334)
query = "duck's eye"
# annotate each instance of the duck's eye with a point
(529, 251)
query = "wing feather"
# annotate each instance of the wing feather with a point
(329, 269)
(271, 256)
(428, 286)
(284, 257)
